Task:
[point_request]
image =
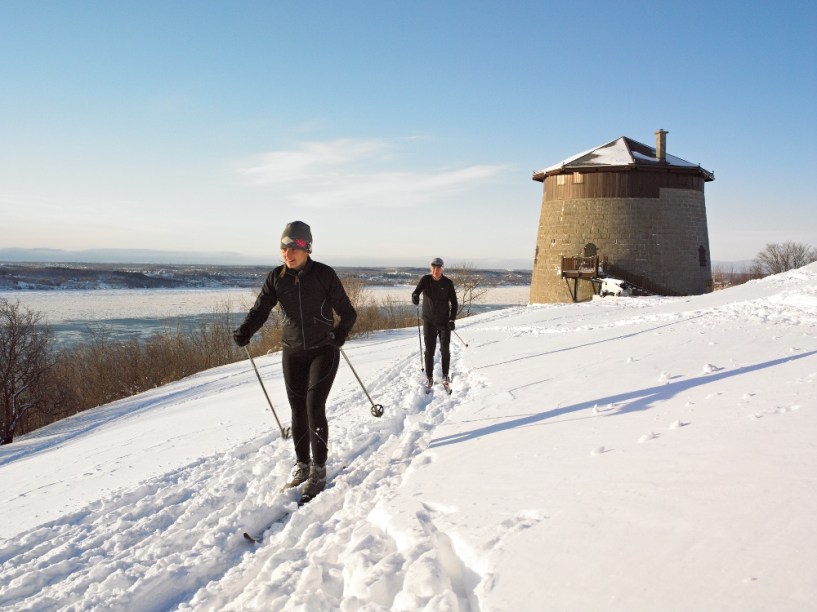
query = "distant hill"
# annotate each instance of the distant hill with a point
(228, 258)
(137, 256)
(63, 276)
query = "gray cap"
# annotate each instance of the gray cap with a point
(297, 235)
(437, 262)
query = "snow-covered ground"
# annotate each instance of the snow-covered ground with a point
(623, 454)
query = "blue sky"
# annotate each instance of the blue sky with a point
(399, 131)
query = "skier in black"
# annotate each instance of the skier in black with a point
(307, 292)
(439, 311)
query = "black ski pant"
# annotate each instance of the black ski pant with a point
(430, 333)
(309, 376)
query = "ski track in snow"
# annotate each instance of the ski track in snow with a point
(121, 554)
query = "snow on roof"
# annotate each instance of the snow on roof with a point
(622, 151)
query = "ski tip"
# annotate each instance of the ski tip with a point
(251, 539)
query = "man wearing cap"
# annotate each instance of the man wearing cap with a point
(439, 311)
(307, 292)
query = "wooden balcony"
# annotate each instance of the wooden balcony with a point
(580, 268)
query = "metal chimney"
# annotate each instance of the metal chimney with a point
(661, 145)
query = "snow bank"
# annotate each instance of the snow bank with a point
(639, 454)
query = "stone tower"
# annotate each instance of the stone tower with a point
(635, 206)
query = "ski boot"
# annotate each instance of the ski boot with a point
(314, 484)
(299, 475)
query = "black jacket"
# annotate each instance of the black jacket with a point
(437, 296)
(307, 298)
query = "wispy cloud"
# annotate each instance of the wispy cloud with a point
(350, 172)
(309, 161)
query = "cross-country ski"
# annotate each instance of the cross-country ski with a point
(258, 537)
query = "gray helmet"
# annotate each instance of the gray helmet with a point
(437, 262)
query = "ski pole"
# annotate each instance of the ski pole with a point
(458, 337)
(376, 409)
(420, 338)
(285, 432)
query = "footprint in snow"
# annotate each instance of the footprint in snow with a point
(779, 410)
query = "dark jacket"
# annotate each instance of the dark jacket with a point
(307, 298)
(439, 300)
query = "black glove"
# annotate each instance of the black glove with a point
(451, 325)
(240, 338)
(339, 336)
(415, 299)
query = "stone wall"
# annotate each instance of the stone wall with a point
(658, 238)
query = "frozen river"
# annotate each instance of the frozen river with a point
(101, 305)
(71, 314)
(106, 304)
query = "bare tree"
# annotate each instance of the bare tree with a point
(780, 257)
(214, 339)
(356, 289)
(362, 302)
(470, 287)
(23, 364)
(725, 277)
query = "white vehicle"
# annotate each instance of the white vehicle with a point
(615, 287)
